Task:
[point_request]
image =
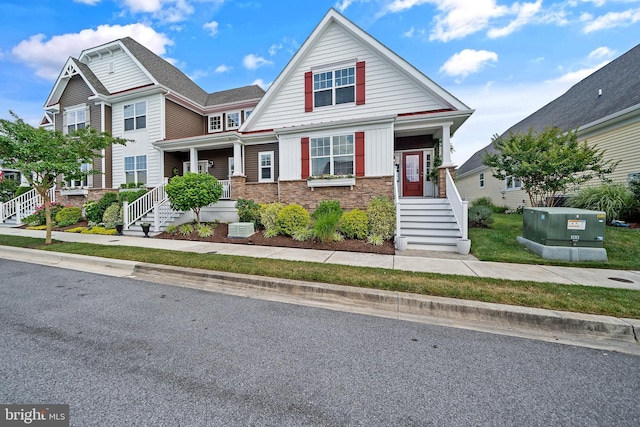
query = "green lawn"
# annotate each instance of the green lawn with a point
(498, 243)
(583, 299)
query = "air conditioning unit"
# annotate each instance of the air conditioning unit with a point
(241, 230)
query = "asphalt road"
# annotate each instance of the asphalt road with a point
(123, 352)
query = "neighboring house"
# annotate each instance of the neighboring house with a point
(342, 119)
(604, 108)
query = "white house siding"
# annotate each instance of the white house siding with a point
(622, 144)
(378, 150)
(126, 73)
(388, 89)
(469, 189)
(142, 140)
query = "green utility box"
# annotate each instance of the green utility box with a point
(564, 227)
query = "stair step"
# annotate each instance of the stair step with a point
(427, 247)
(433, 225)
(425, 232)
(432, 240)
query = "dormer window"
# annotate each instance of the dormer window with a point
(215, 123)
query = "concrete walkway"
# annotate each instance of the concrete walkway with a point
(419, 261)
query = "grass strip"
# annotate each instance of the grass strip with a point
(583, 299)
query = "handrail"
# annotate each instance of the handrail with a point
(460, 207)
(24, 205)
(396, 200)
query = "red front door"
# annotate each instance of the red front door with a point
(412, 173)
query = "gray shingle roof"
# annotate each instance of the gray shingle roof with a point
(235, 95)
(619, 82)
(88, 74)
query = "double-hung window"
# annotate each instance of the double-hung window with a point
(82, 182)
(481, 179)
(233, 120)
(334, 87)
(135, 169)
(215, 123)
(135, 116)
(332, 155)
(513, 183)
(76, 119)
(265, 166)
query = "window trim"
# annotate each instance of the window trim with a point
(73, 111)
(226, 120)
(512, 187)
(83, 183)
(134, 117)
(482, 179)
(271, 166)
(332, 155)
(212, 116)
(135, 169)
(333, 86)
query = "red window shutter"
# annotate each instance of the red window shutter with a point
(359, 153)
(304, 146)
(360, 83)
(308, 92)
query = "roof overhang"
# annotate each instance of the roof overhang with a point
(417, 124)
(619, 118)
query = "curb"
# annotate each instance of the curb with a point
(545, 324)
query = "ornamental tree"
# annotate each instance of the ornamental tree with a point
(193, 191)
(548, 163)
(43, 156)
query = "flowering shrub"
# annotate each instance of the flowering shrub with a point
(39, 217)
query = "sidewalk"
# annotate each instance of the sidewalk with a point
(578, 329)
(418, 261)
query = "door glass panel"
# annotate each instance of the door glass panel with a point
(412, 168)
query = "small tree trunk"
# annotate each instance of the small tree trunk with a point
(47, 210)
(197, 212)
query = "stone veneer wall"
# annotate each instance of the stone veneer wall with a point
(79, 201)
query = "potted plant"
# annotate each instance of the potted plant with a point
(145, 228)
(119, 227)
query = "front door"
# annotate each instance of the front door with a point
(412, 173)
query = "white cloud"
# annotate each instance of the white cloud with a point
(145, 6)
(88, 2)
(612, 20)
(574, 77)
(343, 4)
(261, 83)
(211, 27)
(525, 13)
(223, 69)
(253, 62)
(35, 52)
(468, 61)
(275, 48)
(601, 52)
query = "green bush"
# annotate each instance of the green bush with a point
(39, 217)
(112, 216)
(171, 229)
(8, 188)
(480, 217)
(354, 224)
(482, 201)
(375, 240)
(325, 226)
(269, 218)
(382, 217)
(94, 211)
(193, 191)
(248, 211)
(292, 218)
(99, 230)
(185, 229)
(616, 200)
(204, 230)
(22, 189)
(131, 196)
(68, 216)
(327, 206)
(303, 235)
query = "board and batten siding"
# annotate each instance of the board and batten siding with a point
(388, 89)
(126, 73)
(378, 151)
(142, 140)
(622, 143)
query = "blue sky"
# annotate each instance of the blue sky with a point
(504, 59)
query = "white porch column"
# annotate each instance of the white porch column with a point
(446, 144)
(238, 164)
(193, 160)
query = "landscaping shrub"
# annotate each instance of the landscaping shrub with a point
(375, 240)
(327, 206)
(303, 234)
(382, 217)
(22, 189)
(248, 211)
(292, 218)
(616, 200)
(99, 230)
(185, 229)
(8, 188)
(171, 229)
(112, 216)
(482, 201)
(131, 196)
(68, 216)
(269, 218)
(325, 226)
(480, 216)
(39, 217)
(94, 211)
(354, 224)
(204, 230)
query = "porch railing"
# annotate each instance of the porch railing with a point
(460, 207)
(24, 205)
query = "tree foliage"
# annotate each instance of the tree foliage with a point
(193, 191)
(548, 163)
(43, 156)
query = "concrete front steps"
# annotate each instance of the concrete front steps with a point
(429, 224)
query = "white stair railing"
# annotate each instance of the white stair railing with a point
(460, 207)
(155, 202)
(24, 205)
(226, 189)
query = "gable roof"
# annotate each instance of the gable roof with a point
(611, 89)
(71, 68)
(235, 95)
(334, 17)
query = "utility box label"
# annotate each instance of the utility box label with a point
(577, 224)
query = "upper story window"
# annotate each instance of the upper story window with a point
(265, 166)
(215, 123)
(481, 179)
(334, 87)
(135, 116)
(84, 181)
(135, 169)
(76, 119)
(332, 155)
(233, 120)
(513, 183)
(247, 113)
